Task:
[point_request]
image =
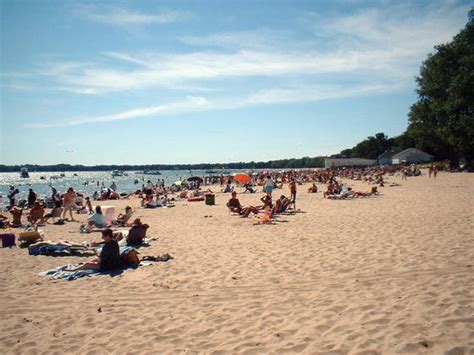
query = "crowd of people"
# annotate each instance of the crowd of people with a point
(65, 207)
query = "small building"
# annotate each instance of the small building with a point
(386, 157)
(347, 162)
(411, 156)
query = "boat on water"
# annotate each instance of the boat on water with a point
(211, 172)
(24, 173)
(118, 173)
(151, 172)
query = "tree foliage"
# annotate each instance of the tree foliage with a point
(441, 122)
(305, 162)
(373, 146)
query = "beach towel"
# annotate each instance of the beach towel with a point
(62, 272)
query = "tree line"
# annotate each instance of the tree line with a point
(305, 162)
(441, 122)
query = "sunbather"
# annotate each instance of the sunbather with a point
(235, 206)
(98, 218)
(313, 189)
(137, 233)
(16, 213)
(109, 257)
(48, 247)
(55, 213)
(266, 217)
(4, 223)
(36, 213)
(122, 219)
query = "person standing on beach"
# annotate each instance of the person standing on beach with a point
(31, 198)
(430, 170)
(11, 195)
(69, 202)
(292, 186)
(435, 171)
(149, 188)
(268, 186)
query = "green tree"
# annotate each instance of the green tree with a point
(372, 147)
(442, 120)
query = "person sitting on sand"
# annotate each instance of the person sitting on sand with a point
(98, 218)
(266, 217)
(267, 201)
(228, 188)
(122, 219)
(109, 257)
(235, 206)
(55, 213)
(313, 189)
(36, 213)
(137, 233)
(248, 189)
(16, 213)
(4, 223)
(281, 205)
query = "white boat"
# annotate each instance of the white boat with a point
(117, 173)
(151, 172)
(24, 173)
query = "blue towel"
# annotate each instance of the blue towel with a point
(59, 274)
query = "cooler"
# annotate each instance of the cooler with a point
(210, 199)
(8, 240)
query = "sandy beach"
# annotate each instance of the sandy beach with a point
(385, 274)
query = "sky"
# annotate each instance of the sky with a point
(176, 82)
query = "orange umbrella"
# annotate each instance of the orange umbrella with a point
(242, 178)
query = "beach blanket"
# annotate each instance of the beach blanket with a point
(62, 272)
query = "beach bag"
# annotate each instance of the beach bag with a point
(8, 239)
(130, 259)
(29, 236)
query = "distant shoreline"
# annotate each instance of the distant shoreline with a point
(306, 162)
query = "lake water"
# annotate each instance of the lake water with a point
(86, 182)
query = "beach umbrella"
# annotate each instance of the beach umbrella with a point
(178, 183)
(242, 178)
(194, 178)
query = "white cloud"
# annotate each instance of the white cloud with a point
(121, 16)
(198, 104)
(190, 104)
(381, 44)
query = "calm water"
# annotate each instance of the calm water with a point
(86, 182)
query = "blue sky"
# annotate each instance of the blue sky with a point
(135, 82)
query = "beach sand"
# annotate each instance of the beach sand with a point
(387, 274)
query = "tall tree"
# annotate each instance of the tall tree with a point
(373, 146)
(442, 120)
